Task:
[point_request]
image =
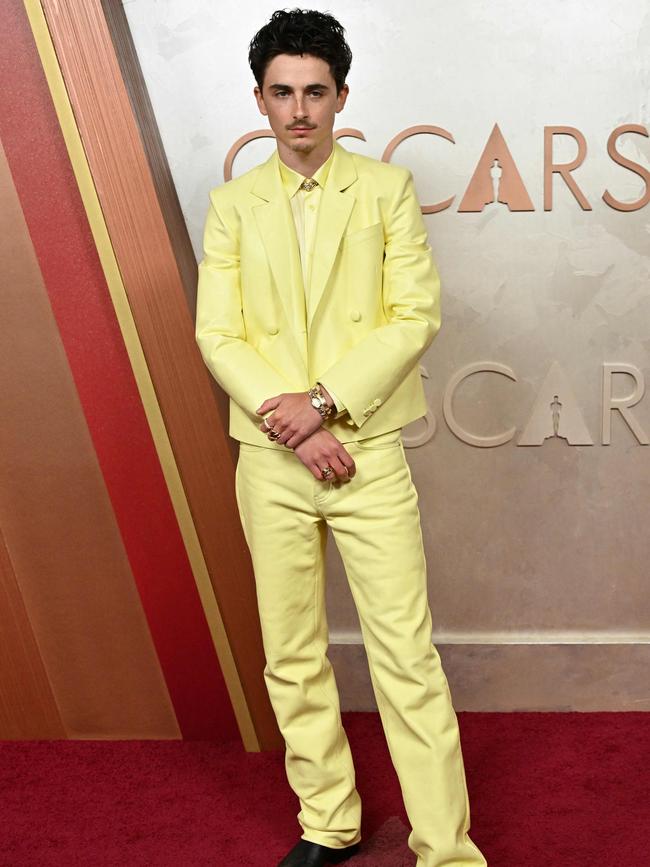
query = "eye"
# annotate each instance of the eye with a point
(317, 93)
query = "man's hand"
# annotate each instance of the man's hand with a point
(294, 418)
(321, 449)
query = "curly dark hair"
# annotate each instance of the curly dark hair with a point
(301, 31)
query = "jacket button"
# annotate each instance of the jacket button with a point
(355, 315)
(377, 402)
(273, 330)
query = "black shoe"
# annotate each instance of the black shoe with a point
(308, 854)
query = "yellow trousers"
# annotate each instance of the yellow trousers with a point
(375, 521)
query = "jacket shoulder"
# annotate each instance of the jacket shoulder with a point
(231, 191)
(390, 174)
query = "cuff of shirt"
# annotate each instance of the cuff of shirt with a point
(340, 407)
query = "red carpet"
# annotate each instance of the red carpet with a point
(547, 790)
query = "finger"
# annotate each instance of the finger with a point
(338, 466)
(294, 440)
(321, 464)
(269, 403)
(285, 435)
(273, 432)
(347, 460)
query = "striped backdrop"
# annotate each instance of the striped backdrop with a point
(122, 568)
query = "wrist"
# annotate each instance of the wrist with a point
(328, 397)
(319, 401)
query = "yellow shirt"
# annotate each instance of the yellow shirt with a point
(304, 206)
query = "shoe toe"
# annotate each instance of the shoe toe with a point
(308, 854)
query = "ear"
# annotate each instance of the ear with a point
(260, 100)
(342, 96)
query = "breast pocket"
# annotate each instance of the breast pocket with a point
(368, 233)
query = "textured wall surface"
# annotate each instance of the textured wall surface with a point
(530, 544)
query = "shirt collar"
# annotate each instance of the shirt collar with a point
(291, 179)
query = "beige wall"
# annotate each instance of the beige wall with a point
(538, 554)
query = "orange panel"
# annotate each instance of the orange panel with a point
(60, 530)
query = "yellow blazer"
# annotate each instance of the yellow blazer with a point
(376, 306)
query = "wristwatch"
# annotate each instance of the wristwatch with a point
(319, 401)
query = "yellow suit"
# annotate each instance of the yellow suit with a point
(371, 321)
(374, 299)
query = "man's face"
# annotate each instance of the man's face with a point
(299, 98)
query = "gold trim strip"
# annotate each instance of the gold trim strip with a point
(145, 387)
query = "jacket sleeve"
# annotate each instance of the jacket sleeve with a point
(371, 370)
(220, 331)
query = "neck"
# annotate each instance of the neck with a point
(306, 164)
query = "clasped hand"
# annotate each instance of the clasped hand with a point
(299, 425)
(294, 417)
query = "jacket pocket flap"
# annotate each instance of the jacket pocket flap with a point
(374, 231)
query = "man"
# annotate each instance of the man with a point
(317, 296)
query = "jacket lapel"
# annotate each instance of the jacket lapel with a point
(333, 215)
(276, 228)
(275, 224)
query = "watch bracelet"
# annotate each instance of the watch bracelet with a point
(325, 410)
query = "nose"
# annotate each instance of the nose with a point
(299, 111)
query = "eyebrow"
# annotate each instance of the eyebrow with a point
(307, 87)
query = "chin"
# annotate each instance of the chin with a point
(302, 146)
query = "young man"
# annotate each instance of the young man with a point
(317, 296)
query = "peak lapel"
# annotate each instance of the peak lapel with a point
(333, 215)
